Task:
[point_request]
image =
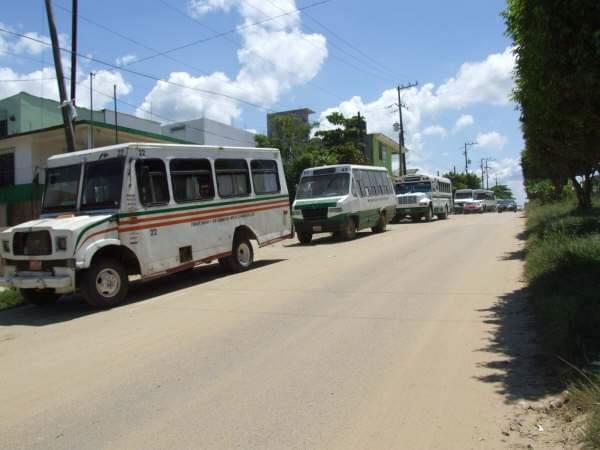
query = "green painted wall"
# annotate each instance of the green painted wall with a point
(379, 152)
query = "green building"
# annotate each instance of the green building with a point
(380, 150)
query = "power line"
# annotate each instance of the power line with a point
(26, 80)
(142, 74)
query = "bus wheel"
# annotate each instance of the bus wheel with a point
(305, 237)
(444, 215)
(242, 256)
(39, 297)
(105, 283)
(429, 214)
(349, 231)
(381, 224)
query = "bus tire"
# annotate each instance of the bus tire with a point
(39, 297)
(349, 231)
(429, 214)
(444, 215)
(242, 255)
(305, 237)
(105, 284)
(381, 224)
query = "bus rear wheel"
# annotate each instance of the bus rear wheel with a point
(444, 215)
(349, 231)
(429, 214)
(242, 256)
(305, 237)
(381, 224)
(105, 284)
(39, 297)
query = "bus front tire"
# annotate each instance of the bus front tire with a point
(429, 214)
(105, 284)
(242, 256)
(39, 297)
(305, 237)
(349, 231)
(444, 215)
(381, 224)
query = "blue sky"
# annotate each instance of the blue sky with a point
(316, 58)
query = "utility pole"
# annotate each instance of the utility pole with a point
(487, 172)
(92, 74)
(116, 123)
(482, 176)
(74, 50)
(466, 153)
(401, 154)
(65, 105)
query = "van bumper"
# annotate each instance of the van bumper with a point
(30, 280)
(330, 225)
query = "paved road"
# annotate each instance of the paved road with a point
(385, 342)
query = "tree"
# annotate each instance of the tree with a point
(502, 191)
(464, 180)
(557, 78)
(290, 135)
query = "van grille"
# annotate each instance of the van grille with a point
(22, 265)
(314, 214)
(32, 243)
(409, 200)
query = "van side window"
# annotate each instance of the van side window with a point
(372, 182)
(152, 183)
(191, 180)
(265, 176)
(233, 177)
(359, 176)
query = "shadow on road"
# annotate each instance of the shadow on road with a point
(74, 307)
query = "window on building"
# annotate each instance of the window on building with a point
(152, 183)
(265, 176)
(7, 169)
(380, 151)
(233, 178)
(3, 128)
(191, 179)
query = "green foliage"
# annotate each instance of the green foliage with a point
(557, 48)
(464, 180)
(586, 397)
(502, 191)
(10, 297)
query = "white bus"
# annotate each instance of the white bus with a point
(474, 200)
(343, 199)
(148, 210)
(421, 195)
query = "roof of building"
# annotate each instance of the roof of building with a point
(293, 111)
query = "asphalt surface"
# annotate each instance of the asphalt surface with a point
(385, 342)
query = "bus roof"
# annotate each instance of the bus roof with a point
(413, 178)
(348, 166)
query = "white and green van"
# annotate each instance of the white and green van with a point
(343, 199)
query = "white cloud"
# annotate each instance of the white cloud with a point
(466, 120)
(435, 130)
(275, 57)
(30, 46)
(488, 81)
(508, 171)
(125, 59)
(492, 140)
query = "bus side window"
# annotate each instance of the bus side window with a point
(152, 183)
(233, 178)
(265, 176)
(191, 180)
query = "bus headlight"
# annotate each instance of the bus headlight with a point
(6, 246)
(61, 243)
(335, 210)
(296, 213)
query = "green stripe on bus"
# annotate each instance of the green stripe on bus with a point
(89, 227)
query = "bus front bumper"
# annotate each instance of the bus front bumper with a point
(61, 283)
(411, 211)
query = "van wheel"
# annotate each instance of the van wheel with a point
(429, 214)
(349, 231)
(39, 297)
(381, 224)
(305, 237)
(242, 256)
(105, 283)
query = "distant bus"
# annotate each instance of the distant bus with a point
(484, 200)
(148, 210)
(342, 199)
(423, 196)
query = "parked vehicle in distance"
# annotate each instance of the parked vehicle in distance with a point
(474, 206)
(507, 205)
(148, 210)
(423, 196)
(487, 199)
(343, 199)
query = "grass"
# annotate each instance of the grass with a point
(9, 298)
(563, 270)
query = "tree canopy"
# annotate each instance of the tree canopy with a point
(464, 180)
(502, 191)
(557, 49)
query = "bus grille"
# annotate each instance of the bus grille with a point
(314, 214)
(410, 200)
(32, 243)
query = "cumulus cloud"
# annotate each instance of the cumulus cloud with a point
(435, 130)
(275, 56)
(492, 140)
(464, 121)
(125, 59)
(31, 46)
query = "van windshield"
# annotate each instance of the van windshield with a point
(62, 187)
(330, 185)
(462, 195)
(102, 183)
(409, 188)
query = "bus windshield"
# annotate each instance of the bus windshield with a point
(409, 188)
(62, 187)
(330, 185)
(462, 195)
(102, 183)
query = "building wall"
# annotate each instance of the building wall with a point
(210, 132)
